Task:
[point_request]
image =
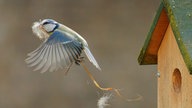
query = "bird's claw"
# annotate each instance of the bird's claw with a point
(79, 60)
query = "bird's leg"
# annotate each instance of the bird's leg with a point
(79, 60)
(68, 69)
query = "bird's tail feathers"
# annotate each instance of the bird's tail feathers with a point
(91, 58)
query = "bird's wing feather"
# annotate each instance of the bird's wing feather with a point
(58, 51)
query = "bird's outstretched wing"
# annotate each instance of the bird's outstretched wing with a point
(58, 51)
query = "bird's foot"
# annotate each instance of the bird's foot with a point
(79, 60)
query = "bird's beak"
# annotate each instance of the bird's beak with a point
(39, 30)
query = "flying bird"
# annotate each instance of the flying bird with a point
(61, 47)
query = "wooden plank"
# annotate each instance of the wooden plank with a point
(157, 37)
(149, 51)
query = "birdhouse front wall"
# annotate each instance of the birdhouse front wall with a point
(175, 81)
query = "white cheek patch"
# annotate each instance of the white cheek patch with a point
(49, 27)
(38, 31)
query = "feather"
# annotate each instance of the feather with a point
(58, 58)
(104, 101)
(48, 62)
(72, 52)
(63, 60)
(91, 57)
(34, 57)
(44, 59)
(58, 51)
(54, 62)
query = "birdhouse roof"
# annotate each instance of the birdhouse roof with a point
(177, 13)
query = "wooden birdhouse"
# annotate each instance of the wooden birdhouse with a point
(169, 45)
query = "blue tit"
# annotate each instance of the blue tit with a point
(61, 47)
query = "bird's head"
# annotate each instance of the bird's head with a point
(44, 28)
(49, 25)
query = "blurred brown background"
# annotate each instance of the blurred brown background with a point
(115, 31)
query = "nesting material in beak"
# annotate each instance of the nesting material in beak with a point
(39, 31)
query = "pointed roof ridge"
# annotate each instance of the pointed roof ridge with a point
(179, 14)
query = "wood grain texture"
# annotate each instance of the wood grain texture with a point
(178, 13)
(170, 59)
(148, 54)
